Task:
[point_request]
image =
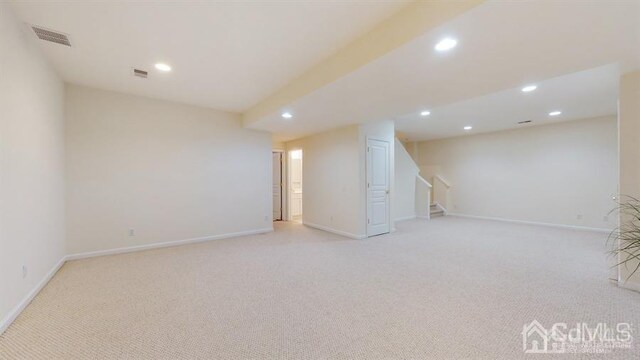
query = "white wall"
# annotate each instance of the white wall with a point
(629, 157)
(334, 176)
(331, 180)
(548, 174)
(168, 171)
(277, 145)
(406, 170)
(31, 165)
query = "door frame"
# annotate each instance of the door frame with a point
(366, 184)
(282, 188)
(289, 216)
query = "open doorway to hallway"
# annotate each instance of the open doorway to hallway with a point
(295, 185)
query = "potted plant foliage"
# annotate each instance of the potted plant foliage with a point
(624, 241)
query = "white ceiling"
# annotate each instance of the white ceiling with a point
(502, 45)
(579, 95)
(225, 55)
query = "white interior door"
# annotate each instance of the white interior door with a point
(378, 204)
(277, 186)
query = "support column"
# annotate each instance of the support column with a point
(629, 160)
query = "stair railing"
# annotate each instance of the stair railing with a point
(440, 192)
(423, 197)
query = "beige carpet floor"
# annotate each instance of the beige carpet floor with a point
(449, 288)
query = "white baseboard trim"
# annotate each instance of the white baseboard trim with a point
(334, 231)
(129, 249)
(626, 284)
(629, 285)
(562, 226)
(10, 318)
(405, 218)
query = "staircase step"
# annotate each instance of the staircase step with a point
(435, 210)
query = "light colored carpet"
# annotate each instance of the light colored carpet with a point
(447, 288)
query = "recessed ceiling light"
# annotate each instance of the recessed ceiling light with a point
(163, 67)
(468, 127)
(529, 88)
(287, 115)
(555, 113)
(446, 44)
(425, 113)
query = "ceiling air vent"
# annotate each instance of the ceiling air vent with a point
(524, 122)
(50, 35)
(140, 73)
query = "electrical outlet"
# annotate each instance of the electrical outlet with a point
(25, 271)
(605, 218)
(266, 218)
(579, 216)
(132, 232)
